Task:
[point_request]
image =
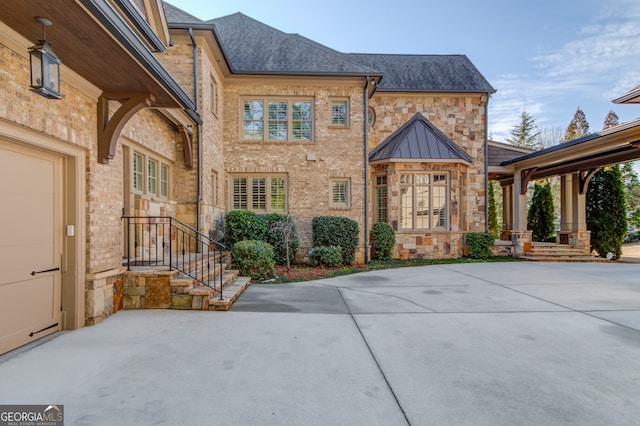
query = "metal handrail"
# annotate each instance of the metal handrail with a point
(158, 241)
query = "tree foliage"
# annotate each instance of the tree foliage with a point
(494, 228)
(525, 134)
(578, 126)
(541, 217)
(611, 120)
(606, 211)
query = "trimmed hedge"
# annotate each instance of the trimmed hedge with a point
(326, 256)
(336, 231)
(480, 245)
(254, 259)
(245, 225)
(383, 238)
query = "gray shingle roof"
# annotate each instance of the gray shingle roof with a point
(174, 14)
(418, 139)
(439, 73)
(254, 47)
(251, 47)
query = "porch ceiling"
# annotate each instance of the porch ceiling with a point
(92, 39)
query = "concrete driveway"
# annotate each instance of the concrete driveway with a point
(478, 344)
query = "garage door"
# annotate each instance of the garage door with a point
(30, 245)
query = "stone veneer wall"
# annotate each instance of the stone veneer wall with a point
(461, 117)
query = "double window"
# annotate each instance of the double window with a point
(262, 194)
(278, 119)
(149, 176)
(423, 201)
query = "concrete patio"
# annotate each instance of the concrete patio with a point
(482, 344)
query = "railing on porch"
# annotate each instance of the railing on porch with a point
(163, 241)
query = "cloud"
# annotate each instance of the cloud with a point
(600, 64)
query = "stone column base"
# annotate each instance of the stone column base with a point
(581, 240)
(521, 241)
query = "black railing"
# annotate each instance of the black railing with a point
(162, 241)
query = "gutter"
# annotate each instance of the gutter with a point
(196, 99)
(366, 167)
(486, 165)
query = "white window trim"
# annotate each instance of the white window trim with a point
(447, 186)
(146, 158)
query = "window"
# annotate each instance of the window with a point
(285, 120)
(138, 172)
(214, 96)
(259, 193)
(340, 113)
(371, 117)
(423, 201)
(340, 193)
(381, 198)
(164, 180)
(152, 177)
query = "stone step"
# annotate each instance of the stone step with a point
(581, 258)
(550, 251)
(230, 294)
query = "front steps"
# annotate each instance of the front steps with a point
(158, 288)
(551, 252)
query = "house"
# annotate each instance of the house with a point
(161, 114)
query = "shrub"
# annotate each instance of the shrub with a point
(480, 245)
(245, 225)
(384, 238)
(326, 256)
(494, 229)
(254, 259)
(282, 235)
(606, 211)
(540, 217)
(336, 231)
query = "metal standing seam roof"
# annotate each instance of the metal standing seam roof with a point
(419, 139)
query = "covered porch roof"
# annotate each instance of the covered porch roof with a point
(615, 145)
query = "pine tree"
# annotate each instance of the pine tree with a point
(493, 214)
(611, 120)
(578, 126)
(606, 211)
(541, 218)
(525, 133)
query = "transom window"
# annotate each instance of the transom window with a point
(423, 201)
(340, 113)
(262, 194)
(283, 119)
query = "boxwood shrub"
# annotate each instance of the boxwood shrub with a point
(326, 256)
(245, 225)
(383, 239)
(480, 245)
(254, 259)
(336, 231)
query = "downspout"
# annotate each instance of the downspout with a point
(196, 100)
(486, 165)
(366, 170)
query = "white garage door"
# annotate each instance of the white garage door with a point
(30, 245)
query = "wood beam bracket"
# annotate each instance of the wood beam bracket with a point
(110, 127)
(187, 145)
(585, 176)
(525, 178)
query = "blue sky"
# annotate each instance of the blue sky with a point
(548, 57)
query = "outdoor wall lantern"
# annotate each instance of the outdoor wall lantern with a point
(45, 66)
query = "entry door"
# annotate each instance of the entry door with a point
(30, 244)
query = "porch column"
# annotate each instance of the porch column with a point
(566, 209)
(580, 238)
(520, 237)
(507, 207)
(519, 204)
